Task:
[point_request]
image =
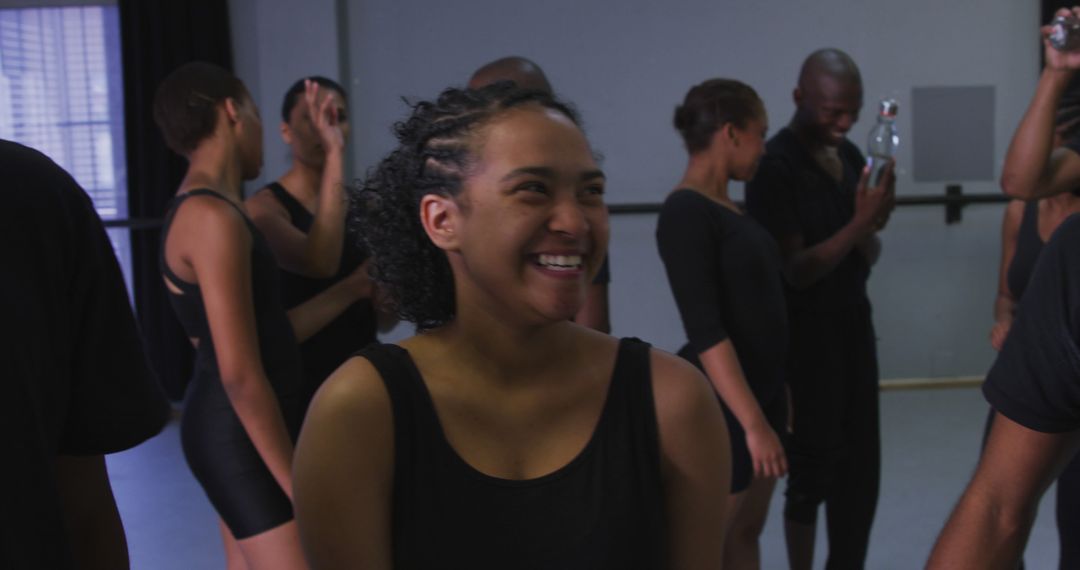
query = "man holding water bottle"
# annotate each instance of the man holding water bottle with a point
(812, 193)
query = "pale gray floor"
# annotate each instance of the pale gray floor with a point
(930, 442)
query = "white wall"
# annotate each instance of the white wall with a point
(626, 65)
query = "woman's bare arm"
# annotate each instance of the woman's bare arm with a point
(344, 472)
(695, 463)
(1005, 302)
(318, 252)
(312, 315)
(722, 366)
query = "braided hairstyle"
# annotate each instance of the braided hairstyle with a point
(712, 104)
(436, 147)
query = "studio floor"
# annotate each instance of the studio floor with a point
(930, 440)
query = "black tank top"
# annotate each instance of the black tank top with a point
(277, 344)
(602, 510)
(353, 329)
(1028, 247)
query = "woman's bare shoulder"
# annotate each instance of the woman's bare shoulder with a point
(354, 393)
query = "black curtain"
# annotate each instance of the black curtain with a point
(157, 36)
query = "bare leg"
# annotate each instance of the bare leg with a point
(734, 505)
(741, 545)
(234, 559)
(275, 549)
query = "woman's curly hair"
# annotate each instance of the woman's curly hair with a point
(434, 153)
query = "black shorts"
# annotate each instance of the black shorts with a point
(226, 464)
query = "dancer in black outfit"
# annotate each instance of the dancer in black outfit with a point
(1025, 230)
(76, 381)
(504, 435)
(302, 215)
(1034, 388)
(244, 405)
(726, 274)
(811, 196)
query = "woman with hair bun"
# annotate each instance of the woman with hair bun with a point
(725, 273)
(244, 405)
(504, 435)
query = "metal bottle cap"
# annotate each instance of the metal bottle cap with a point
(888, 108)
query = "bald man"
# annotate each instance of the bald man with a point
(811, 193)
(527, 74)
(524, 72)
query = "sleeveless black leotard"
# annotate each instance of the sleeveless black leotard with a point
(602, 510)
(218, 450)
(353, 329)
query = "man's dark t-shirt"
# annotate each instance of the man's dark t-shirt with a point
(74, 376)
(792, 195)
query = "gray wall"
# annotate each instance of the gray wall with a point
(276, 42)
(627, 64)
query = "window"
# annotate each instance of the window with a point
(61, 92)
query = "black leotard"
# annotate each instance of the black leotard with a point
(603, 510)
(351, 330)
(726, 275)
(218, 450)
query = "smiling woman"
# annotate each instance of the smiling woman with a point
(504, 435)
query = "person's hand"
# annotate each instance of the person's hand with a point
(360, 281)
(1060, 60)
(766, 452)
(873, 205)
(998, 332)
(323, 115)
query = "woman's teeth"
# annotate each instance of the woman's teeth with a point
(560, 262)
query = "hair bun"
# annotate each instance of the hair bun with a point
(684, 118)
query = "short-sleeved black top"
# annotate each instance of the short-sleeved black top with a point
(75, 378)
(1035, 380)
(792, 195)
(726, 275)
(1028, 247)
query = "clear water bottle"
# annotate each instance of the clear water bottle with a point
(883, 140)
(1064, 33)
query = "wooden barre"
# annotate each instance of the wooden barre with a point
(931, 383)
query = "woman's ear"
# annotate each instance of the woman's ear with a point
(441, 217)
(232, 110)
